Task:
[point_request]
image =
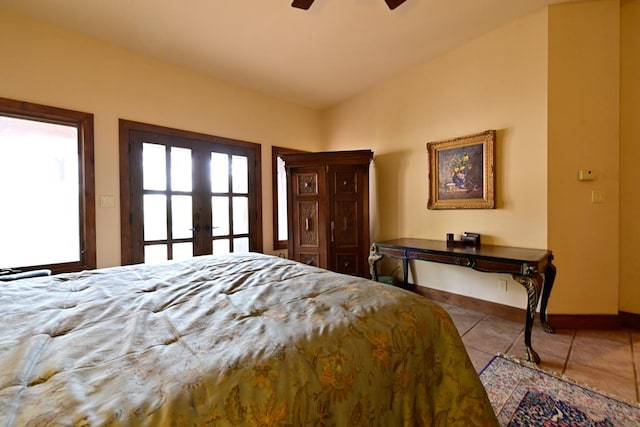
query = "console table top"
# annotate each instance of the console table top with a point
(489, 251)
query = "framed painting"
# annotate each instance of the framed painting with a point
(461, 172)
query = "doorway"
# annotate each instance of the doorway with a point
(185, 194)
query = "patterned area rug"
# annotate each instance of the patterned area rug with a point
(523, 395)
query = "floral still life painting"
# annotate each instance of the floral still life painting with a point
(461, 172)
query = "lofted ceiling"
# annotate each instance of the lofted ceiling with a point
(316, 57)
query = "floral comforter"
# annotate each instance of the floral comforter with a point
(234, 340)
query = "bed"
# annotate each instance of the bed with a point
(231, 340)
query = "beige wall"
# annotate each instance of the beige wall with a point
(550, 85)
(497, 82)
(47, 65)
(629, 155)
(584, 116)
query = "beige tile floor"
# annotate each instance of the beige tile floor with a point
(608, 360)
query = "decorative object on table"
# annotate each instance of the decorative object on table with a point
(461, 172)
(523, 395)
(466, 240)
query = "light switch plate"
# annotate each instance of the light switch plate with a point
(597, 196)
(107, 201)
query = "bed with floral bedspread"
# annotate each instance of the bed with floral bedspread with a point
(231, 340)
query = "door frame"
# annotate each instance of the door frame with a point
(126, 127)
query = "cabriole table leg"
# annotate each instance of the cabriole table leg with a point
(549, 278)
(533, 285)
(374, 257)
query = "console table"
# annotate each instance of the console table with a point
(530, 267)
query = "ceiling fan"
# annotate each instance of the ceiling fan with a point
(306, 4)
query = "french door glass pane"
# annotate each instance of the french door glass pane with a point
(39, 189)
(182, 250)
(240, 215)
(240, 174)
(155, 217)
(219, 173)
(181, 214)
(181, 169)
(221, 246)
(241, 244)
(154, 167)
(155, 253)
(219, 216)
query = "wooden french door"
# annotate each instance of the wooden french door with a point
(189, 195)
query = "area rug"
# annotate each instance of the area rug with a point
(523, 395)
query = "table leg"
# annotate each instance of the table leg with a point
(374, 257)
(405, 273)
(533, 285)
(549, 278)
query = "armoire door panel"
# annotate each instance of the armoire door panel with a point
(346, 182)
(307, 184)
(308, 224)
(346, 224)
(347, 263)
(309, 259)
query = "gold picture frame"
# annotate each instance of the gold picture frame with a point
(461, 172)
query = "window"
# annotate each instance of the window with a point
(47, 188)
(194, 194)
(279, 173)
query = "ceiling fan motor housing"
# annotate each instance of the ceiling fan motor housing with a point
(306, 4)
(302, 4)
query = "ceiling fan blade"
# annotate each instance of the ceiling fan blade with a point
(394, 3)
(302, 4)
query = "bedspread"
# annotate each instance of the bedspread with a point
(245, 339)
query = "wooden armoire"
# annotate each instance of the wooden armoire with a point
(328, 209)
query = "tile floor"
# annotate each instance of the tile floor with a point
(608, 360)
